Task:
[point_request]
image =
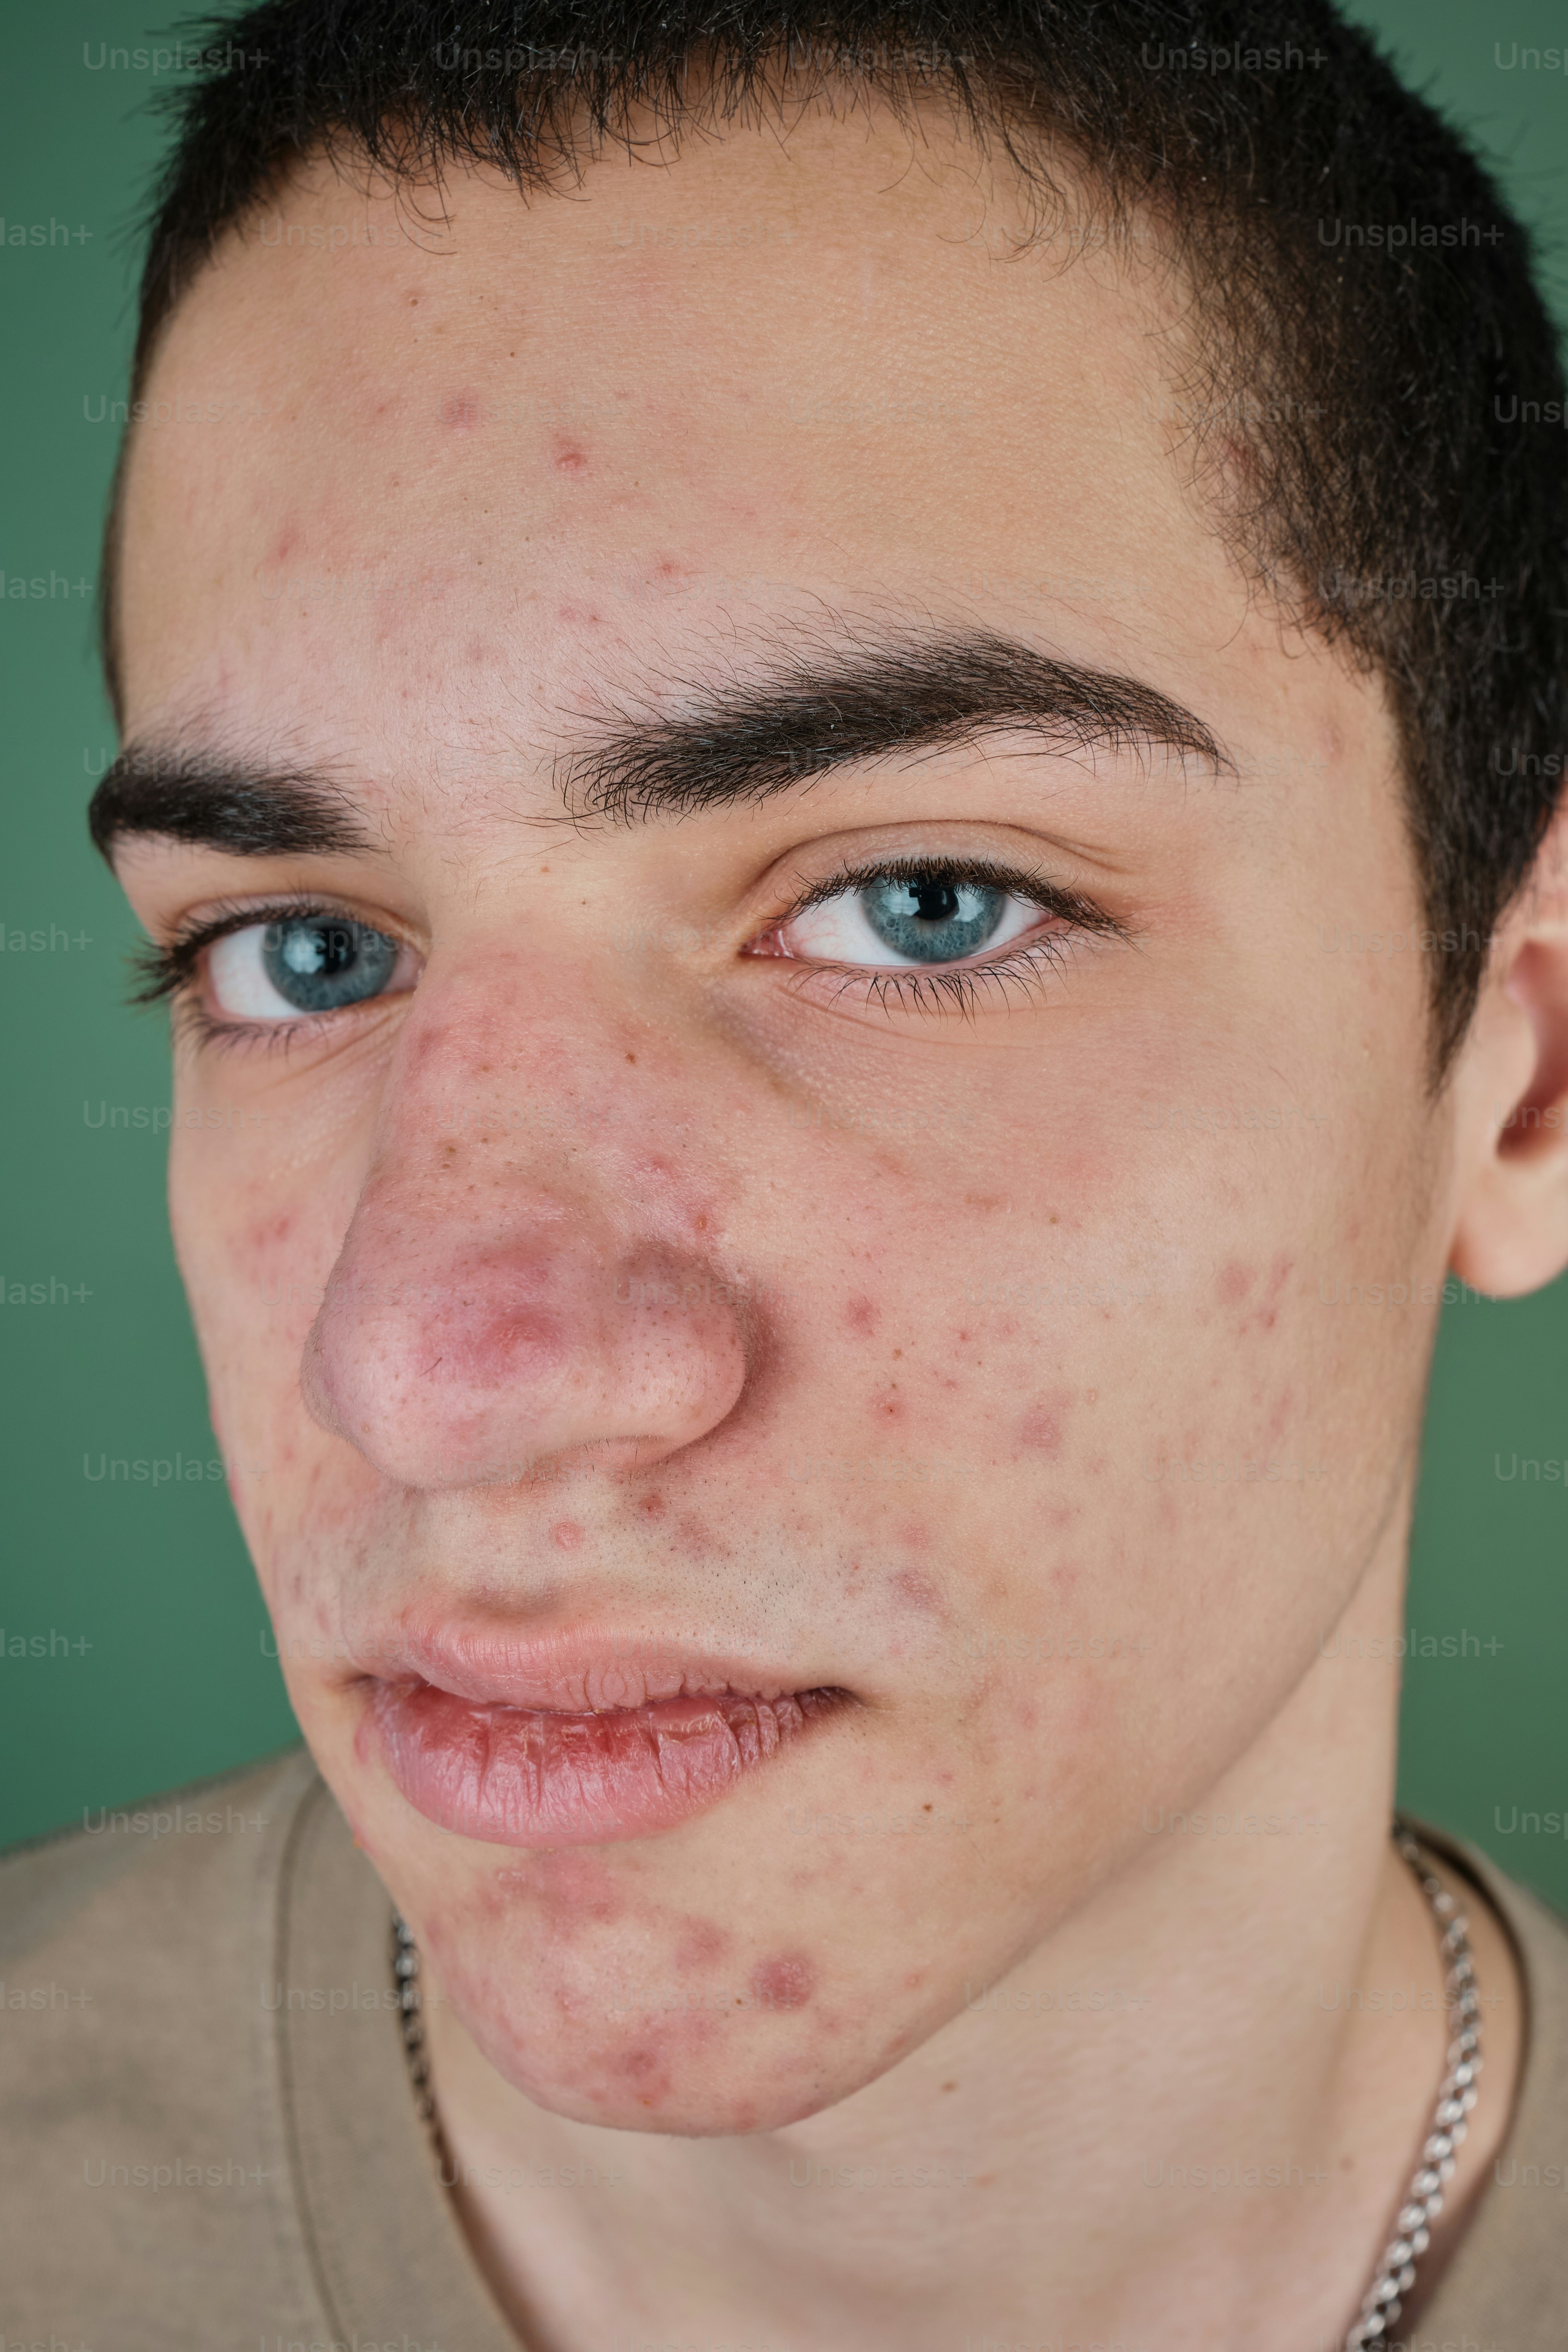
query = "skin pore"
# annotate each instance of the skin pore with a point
(907, 1346)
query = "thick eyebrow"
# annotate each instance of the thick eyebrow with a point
(217, 803)
(803, 715)
(808, 714)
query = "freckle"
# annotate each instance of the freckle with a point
(631, 1058)
(1234, 1282)
(788, 1982)
(567, 1534)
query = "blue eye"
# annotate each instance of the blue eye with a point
(319, 965)
(304, 963)
(932, 921)
(912, 920)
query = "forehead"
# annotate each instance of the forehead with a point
(420, 476)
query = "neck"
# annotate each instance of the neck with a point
(1199, 2100)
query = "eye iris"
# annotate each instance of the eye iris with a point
(322, 964)
(931, 919)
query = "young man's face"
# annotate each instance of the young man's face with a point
(770, 1436)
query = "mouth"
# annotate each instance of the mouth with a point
(485, 1766)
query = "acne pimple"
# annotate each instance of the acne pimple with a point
(567, 1533)
(1042, 1427)
(788, 1982)
(702, 1942)
(1233, 1283)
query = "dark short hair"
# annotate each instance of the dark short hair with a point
(1376, 399)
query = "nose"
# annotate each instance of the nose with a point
(502, 1303)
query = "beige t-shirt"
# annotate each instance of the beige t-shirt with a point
(207, 2136)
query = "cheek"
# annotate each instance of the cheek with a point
(256, 1233)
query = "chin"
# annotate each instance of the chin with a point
(598, 2050)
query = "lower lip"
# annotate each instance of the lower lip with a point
(524, 1777)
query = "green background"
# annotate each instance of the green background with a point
(160, 1673)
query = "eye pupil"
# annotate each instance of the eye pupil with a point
(932, 918)
(315, 947)
(318, 964)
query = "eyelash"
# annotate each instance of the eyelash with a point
(168, 973)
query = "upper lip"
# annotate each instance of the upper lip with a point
(570, 1670)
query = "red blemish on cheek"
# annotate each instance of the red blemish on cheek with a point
(1042, 1429)
(1233, 1283)
(461, 411)
(571, 461)
(861, 1314)
(700, 1943)
(651, 1505)
(917, 1591)
(1279, 1418)
(567, 1534)
(788, 1982)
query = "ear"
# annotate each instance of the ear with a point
(1510, 1095)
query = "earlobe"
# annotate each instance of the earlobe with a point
(1511, 1096)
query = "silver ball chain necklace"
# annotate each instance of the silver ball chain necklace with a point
(1395, 2274)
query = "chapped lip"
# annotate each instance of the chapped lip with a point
(572, 1670)
(570, 1738)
